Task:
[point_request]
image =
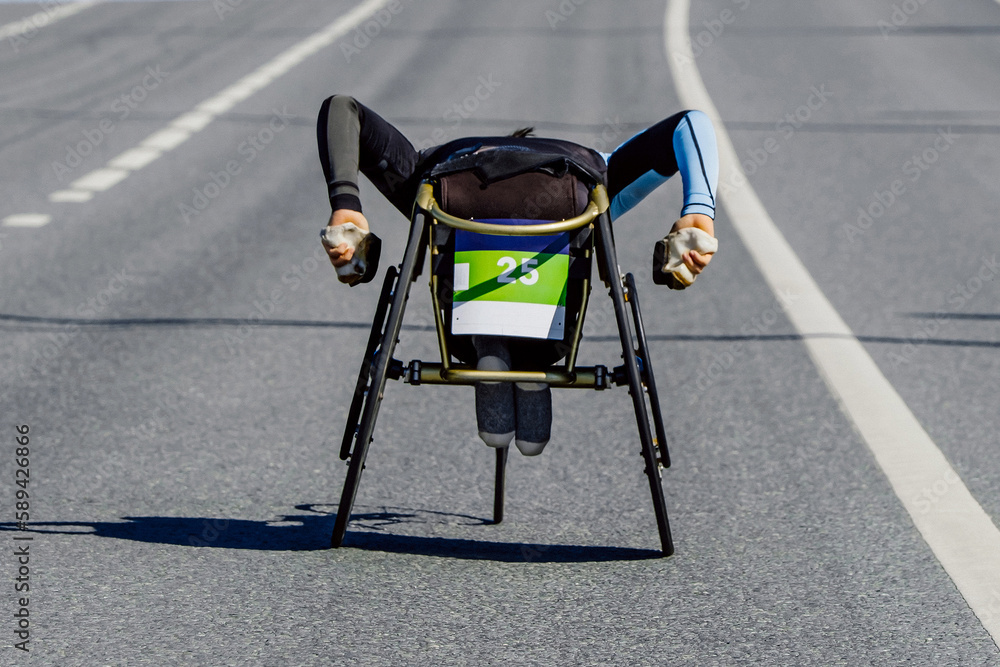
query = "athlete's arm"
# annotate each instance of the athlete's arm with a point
(685, 142)
(354, 139)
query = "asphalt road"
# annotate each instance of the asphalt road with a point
(184, 364)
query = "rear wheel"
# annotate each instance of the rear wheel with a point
(635, 388)
(363, 438)
(380, 360)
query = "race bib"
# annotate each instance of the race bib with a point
(510, 285)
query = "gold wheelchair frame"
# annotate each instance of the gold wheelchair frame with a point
(378, 364)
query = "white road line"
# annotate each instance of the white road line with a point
(135, 158)
(26, 220)
(100, 180)
(958, 531)
(74, 196)
(41, 19)
(185, 126)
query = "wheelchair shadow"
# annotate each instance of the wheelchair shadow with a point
(291, 533)
(503, 552)
(373, 537)
(311, 532)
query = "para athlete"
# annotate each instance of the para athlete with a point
(352, 139)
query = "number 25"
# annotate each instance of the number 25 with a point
(530, 276)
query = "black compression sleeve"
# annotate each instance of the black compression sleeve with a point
(338, 132)
(352, 137)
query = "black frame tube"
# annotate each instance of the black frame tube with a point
(500, 484)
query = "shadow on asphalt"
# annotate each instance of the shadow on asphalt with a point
(311, 532)
(504, 552)
(21, 323)
(292, 533)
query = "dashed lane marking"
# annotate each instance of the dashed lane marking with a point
(41, 19)
(26, 220)
(185, 126)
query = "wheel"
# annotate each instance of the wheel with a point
(646, 367)
(380, 361)
(364, 376)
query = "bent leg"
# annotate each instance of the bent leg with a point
(494, 400)
(533, 404)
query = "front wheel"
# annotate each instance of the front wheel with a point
(646, 367)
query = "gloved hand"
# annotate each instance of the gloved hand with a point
(353, 250)
(669, 267)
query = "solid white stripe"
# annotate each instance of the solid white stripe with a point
(958, 531)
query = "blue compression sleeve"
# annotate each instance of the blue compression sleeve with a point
(698, 161)
(684, 142)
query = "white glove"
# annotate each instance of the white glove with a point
(356, 238)
(682, 241)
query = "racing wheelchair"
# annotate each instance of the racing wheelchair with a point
(548, 216)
